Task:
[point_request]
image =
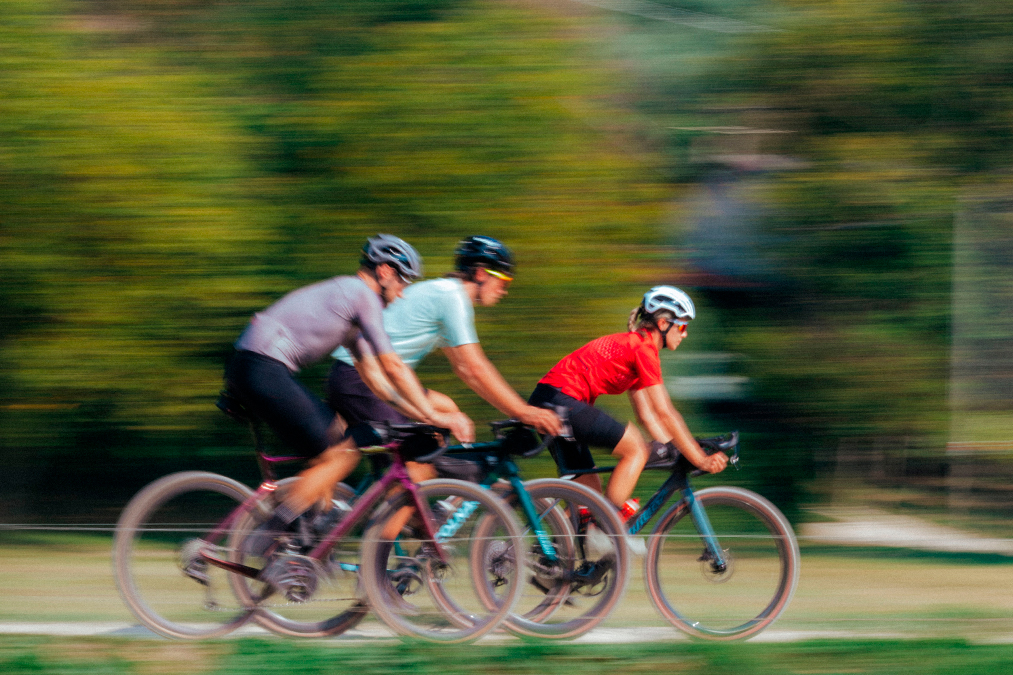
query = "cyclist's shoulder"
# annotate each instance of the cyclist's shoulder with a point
(351, 296)
(439, 286)
(625, 340)
(614, 346)
(430, 297)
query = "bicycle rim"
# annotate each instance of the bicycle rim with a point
(416, 594)
(336, 603)
(155, 560)
(566, 598)
(741, 600)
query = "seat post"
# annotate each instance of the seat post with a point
(267, 473)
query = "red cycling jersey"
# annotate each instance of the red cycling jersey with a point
(609, 365)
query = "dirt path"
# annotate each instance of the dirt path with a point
(869, 527)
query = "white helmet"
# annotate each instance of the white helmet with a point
(668, 298)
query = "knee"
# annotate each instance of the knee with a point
(419, 472)
(342, 452)
(632, 447)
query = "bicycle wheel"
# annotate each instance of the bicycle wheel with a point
(565, 598)
(155, 556)
(418, 595)
(744, 598)
(328, 600)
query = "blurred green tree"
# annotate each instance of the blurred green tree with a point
(889, 113)
(168, 168)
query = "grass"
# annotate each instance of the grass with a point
(867, 591)
(97, 656)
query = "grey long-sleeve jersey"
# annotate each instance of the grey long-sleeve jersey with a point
(311, 322)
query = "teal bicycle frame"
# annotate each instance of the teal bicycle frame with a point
(500, 465)
(682, 470)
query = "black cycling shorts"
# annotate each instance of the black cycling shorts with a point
(271, 392)
(591, 428)
(354, 401)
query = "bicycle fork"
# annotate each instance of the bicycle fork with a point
(713, 552)
(712, 548)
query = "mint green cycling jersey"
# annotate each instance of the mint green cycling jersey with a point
(432, 314)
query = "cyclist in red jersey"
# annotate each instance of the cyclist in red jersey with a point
(625, 362)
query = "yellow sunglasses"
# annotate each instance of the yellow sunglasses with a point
(499, 275)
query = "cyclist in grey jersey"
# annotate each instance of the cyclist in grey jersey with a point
(303, 327)
(309, 323)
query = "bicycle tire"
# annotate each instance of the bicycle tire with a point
(154, 532)
(745, 598)
(416, 614)
(555, 602)
(337, 603)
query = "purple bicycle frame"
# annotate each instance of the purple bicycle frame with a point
(397, 473)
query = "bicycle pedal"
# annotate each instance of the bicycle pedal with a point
(191, 562)
(198, 571)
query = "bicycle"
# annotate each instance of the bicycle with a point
(575, 579)
(173, 573)
(722, 563)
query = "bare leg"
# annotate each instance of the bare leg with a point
(632, 454)
(418, 473)
(591, 480)
(317, 483)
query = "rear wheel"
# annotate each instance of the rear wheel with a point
(730, 602)
(566, 597)
(419, 595)
(156, 555)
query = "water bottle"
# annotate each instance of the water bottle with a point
(630, 507)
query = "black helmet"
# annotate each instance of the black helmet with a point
(486, 252)
(399, 254)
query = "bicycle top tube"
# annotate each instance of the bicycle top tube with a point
(395, 474)
(712, 445)
(513, 437)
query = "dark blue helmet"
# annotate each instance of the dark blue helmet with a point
(485, 252)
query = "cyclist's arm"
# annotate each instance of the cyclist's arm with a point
(375, 378)
(407, 384)
(475, 370)
(664, 423)
(392, 381)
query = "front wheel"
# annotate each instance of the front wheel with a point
(156, 555)
(733, 601)
(419, 595)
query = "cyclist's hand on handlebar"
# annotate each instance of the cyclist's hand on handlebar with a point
(459, 424)
(715, 463)
(544, 421)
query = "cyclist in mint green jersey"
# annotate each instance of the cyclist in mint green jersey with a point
(440, 314)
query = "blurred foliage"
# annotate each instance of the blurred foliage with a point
(169, 168)
(891, 113)
(897, 111)
(830, 147)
